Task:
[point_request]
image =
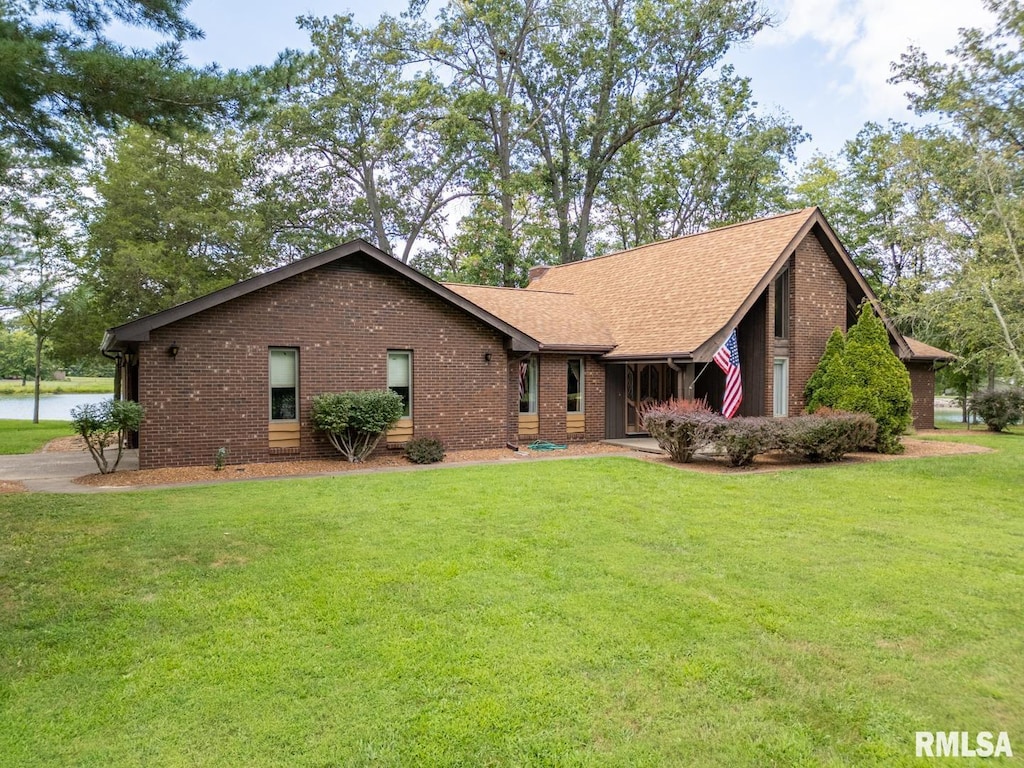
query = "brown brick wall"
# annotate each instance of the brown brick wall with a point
(922, 385)
(818, 306)
(551, 398)
(343, 317)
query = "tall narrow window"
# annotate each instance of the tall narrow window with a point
(284, 384)
(400, 378)
(574, 387)
(780, 387)
(782, 305)
(528, 385)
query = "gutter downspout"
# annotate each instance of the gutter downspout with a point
(117, 357)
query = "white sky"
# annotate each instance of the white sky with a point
(826, 62)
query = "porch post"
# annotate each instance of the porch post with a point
(686, 381)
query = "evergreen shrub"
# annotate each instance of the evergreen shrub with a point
(424, 450)
(863, 375)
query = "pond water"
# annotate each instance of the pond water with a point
(57, 407)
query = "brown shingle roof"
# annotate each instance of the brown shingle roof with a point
(669, 298)
(921, 351)
(556, 320)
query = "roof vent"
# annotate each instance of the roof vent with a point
(536, 272)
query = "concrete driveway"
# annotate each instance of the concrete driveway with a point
(53, 471)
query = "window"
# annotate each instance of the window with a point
(400, 378)
(284, 384)
(780, 387)
(528, 385)
(574, 387)
(782, 305)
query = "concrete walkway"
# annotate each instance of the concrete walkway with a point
(53, 471)
(645, 444)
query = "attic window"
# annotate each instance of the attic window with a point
(782, 305)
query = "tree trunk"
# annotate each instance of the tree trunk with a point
(39, 365)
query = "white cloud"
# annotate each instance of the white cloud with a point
(863, 38)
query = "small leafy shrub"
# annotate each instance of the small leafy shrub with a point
(999, 409)
(104, 424)
(424, 450)
(682, 427)
(355, 421)
(825, 437)
(220, 458)
(745, 438)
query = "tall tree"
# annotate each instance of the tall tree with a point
(725, 165)
(173, 219)
(978, 95)
(881, 195)
(39, 244)
(600, 76)
(365, 146)
(480, 45)
(60, 71)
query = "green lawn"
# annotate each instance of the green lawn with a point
(22, 436)
(592, 612)
(99, 385)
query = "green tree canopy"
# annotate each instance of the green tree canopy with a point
(59, 72)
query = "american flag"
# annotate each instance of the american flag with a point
(728, 359)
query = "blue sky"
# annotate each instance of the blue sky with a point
(825, 63)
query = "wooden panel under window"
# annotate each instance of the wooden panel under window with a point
(575, 423)
(284, 434)
(529, 424)
(401, 432)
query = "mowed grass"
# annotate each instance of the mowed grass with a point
(588, 612)
(22, 436)
(100, 385)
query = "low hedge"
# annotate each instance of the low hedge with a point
(683, 427)
(825, 436)
(745, 438)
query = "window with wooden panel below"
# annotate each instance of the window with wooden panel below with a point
(400, 382)
(284, 397)
(529, 420)
(574, 419)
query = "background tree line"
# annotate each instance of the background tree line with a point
(476, 142)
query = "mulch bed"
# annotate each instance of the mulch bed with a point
(771, 462)
(777, 461)
(172, 475)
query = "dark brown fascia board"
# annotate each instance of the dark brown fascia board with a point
(681, 357)
(122, 336)
(590, 349)
(840, 257)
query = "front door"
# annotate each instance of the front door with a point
(646, 383)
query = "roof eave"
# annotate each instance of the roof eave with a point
(588, 348)
(685, 357)
(139, 330)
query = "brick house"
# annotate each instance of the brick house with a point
(571, 357)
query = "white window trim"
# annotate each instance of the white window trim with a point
(270, 388)
(583, 385)
(533, 388)
(407, 353)
(776, 388)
